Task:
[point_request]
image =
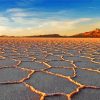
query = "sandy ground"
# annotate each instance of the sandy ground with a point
(49, 69)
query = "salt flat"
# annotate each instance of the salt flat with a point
(49, 68)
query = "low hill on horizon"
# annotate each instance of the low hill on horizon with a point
(47, 35)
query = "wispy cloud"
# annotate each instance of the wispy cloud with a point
(29, 17)
(30, 12)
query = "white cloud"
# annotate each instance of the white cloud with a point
(64, 24)
(29, 22)
(43, 27)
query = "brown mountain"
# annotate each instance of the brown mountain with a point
(92, 34)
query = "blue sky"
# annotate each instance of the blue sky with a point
(31, 17)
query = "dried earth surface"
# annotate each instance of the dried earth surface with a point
(49, 69)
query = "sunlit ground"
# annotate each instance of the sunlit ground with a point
(49, 69)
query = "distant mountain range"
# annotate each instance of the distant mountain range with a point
(91, 34)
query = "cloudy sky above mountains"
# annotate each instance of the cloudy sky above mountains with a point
(35, 17)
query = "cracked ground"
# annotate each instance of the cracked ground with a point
(49, 69)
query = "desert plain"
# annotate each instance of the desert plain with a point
(49, 68)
